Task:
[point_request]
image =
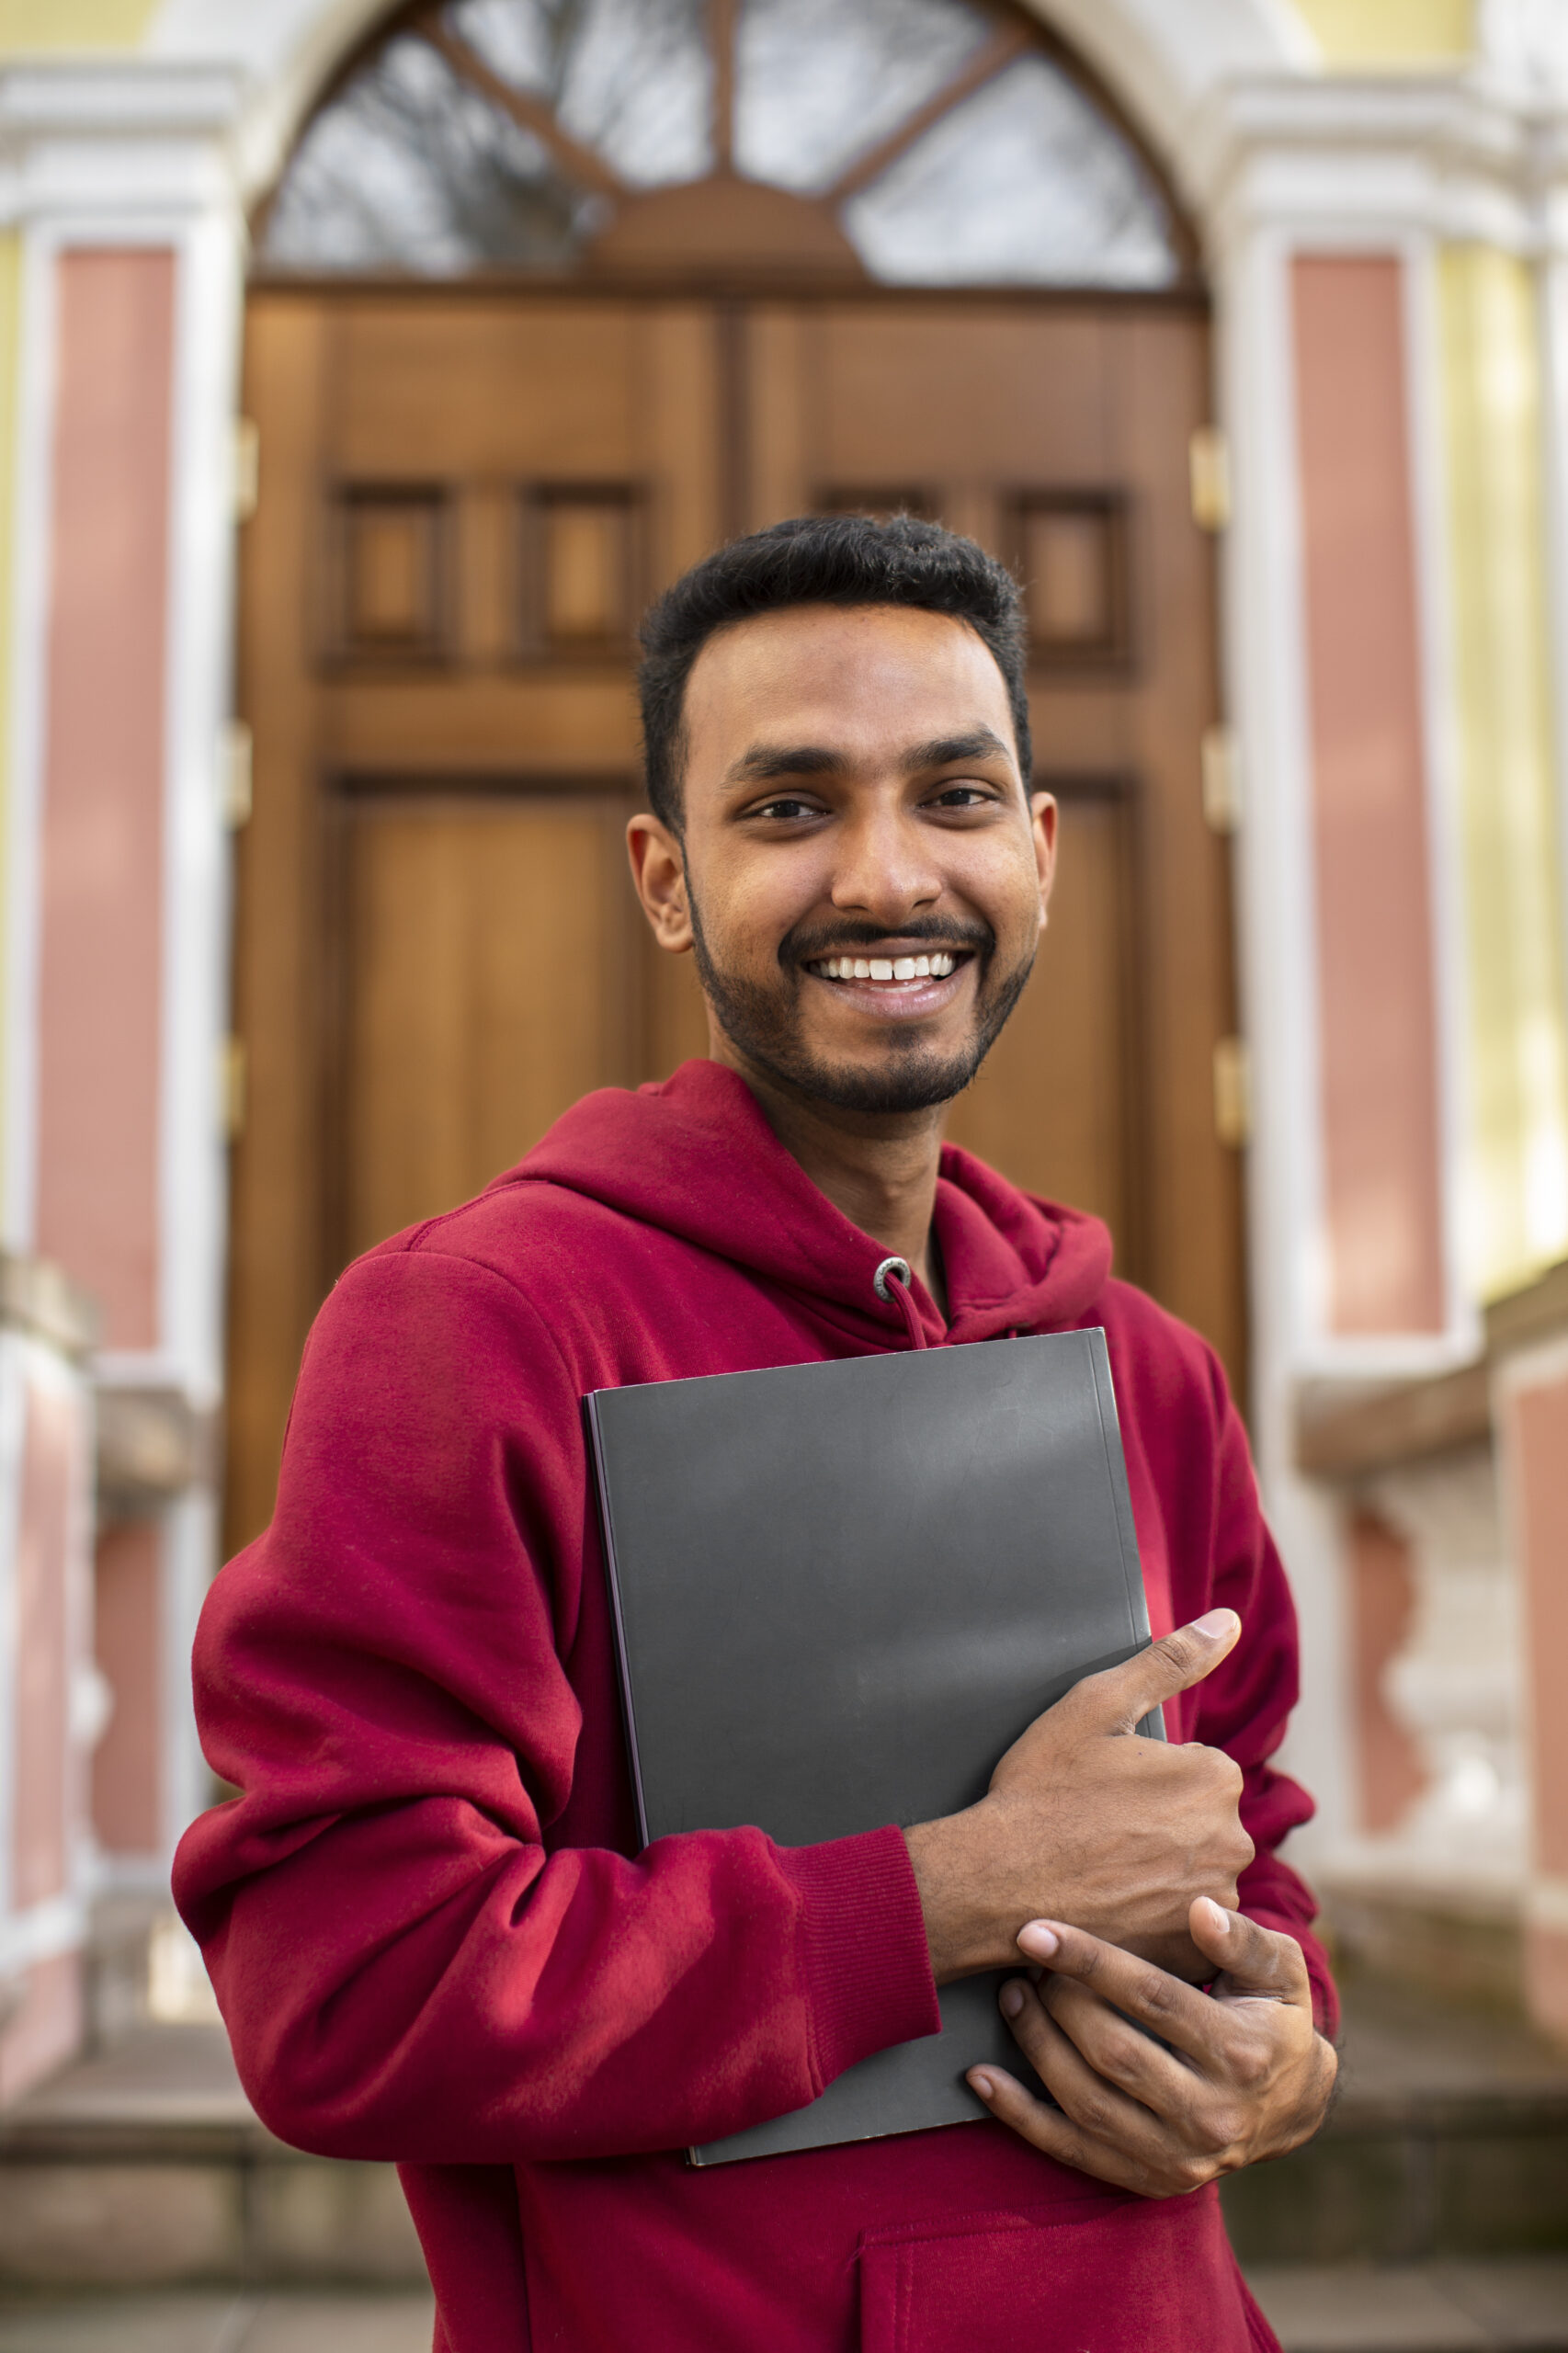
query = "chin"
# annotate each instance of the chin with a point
(920, 1079)
(893, 1075)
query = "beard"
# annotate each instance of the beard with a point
(764, 1021)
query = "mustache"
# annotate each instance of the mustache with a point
(807, 943)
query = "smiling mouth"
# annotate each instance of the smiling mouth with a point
(890, 972)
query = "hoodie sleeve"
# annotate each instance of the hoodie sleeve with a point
(1245, 1705)
(409, 1963)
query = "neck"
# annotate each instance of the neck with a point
(879, 1168)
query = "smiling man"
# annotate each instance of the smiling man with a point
(429, 1926)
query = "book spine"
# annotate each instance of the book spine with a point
(622, 1662)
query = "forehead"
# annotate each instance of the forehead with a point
(856, 677)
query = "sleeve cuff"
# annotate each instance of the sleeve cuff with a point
(864, 1958)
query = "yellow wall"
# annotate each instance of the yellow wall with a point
(1357, 33)
(1518, 1204)
(34, 25)
(1349, 32)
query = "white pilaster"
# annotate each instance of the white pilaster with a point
(135, 154)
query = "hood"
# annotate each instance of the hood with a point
(695, 1157)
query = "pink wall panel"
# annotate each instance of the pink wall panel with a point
(1538, 1459)
(127, 1625)
(102, 823)
(1382, 1143)
(1540, 1513)
(51, 1456)
(1382, 1602)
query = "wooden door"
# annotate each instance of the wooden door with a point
(465, 504)
(1058, 436)
(466, 500)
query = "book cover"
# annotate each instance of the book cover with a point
(840, 1593)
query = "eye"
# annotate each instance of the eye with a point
(964, 795)
(787, 809)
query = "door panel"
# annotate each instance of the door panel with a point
(411, 610)
(485, 964)
(977, 395)
(467, 498)
(1014, 419)
(1059, 1093)
(475, 385)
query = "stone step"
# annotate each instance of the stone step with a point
(1492, 2306)
(146, 2167)
(210, 2320)
(1501, 2306)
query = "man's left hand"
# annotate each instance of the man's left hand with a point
(1246, 2075)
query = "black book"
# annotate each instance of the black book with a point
(841, 1591)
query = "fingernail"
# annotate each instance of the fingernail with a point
(1216, 1622)
(1039, 1939)
(982, 2084)
(1218, 1919)
(1012, 1999)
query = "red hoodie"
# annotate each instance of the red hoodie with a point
(430, 1929)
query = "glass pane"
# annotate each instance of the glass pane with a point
(410, 169)
(629, 77)
(1025, 183)
(817, 82)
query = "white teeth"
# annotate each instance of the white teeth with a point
(886, 968)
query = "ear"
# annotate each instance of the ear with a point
(1043, 824)
(658, 871)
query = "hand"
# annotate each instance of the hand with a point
(1247, 2077)
(1087, 1820)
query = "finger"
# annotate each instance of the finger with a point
(1122, 1695)
(1099, 2107)
(1254, 1960)
(1146, 2068)
(1048, 2129)
(1177, 2013)
(1107, 2043)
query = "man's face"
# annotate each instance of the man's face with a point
(864, 876)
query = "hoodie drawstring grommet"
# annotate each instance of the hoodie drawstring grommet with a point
(890, 1270)
(892, 1280)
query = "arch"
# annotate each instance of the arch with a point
(447, 146)
(1159, 59)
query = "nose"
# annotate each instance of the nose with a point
(884, 870)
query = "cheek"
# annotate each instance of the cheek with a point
(1004, 888)
(748, 903)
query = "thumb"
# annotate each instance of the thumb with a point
(1122, 1695)
(1253, 1960)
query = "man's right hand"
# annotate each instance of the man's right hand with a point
(1086, 1822)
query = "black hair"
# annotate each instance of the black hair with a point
(820, 560)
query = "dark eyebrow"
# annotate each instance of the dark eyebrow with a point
(979, 743)
(766, 763)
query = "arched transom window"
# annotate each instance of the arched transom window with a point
(935, 143)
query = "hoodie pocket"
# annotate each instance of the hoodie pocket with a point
(1146, 2275)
